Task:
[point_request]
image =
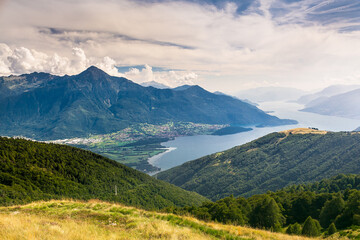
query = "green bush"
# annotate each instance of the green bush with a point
(294, 229)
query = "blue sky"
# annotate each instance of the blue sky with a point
(220, 45)
(301, 11)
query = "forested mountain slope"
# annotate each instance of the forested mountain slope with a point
(330, 202)
(43, 106)
(36, 171)
(270, 163)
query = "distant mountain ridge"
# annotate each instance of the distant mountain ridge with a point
(270, 163)
(44, 106)
(270, 94)
(323, 95)
(13, 85)
(341, 105)
(244, 100)
(183, 87)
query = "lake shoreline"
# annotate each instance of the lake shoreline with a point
(155, 158)
(193, 147)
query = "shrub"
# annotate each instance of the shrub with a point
(294, 229)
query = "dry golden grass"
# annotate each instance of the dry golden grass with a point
(55, 220)
(25, 225)
(300, 131)
(303, 131)
(250, 233)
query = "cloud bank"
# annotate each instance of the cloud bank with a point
(305, 44)
(23, 60)
(170, 78)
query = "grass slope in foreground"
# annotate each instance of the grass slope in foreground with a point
(270, 163)
(37, 171)
(99, 220)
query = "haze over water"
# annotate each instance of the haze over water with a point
(189, 148)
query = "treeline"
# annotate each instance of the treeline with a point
(38, 171)
(310, 210)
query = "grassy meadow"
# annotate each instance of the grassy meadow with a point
(65, 219)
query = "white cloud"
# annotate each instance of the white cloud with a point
(22, 60)
(5, 51)
(224, 50)
(108, 65)
(169, 78)
(80, 61)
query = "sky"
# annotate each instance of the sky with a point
(223, 46)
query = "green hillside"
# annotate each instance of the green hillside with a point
(270, 163)
(331, 202)
(37, 171)
(47, 107)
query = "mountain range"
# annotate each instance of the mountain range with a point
(341, 105)
(44, 106)
(269, 163)
(323, 95)
(270, 94)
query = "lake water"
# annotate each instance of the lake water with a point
(184, 149)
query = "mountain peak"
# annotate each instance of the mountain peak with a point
(197, 87)
(94, 71)
(183, 87)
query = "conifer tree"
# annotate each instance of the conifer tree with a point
(332, 229)
(267, 215)
(311, 228)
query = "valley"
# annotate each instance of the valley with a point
(179, 120)
(193, 213)
(190, 148)
(134, 145)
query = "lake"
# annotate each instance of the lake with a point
(183, 149)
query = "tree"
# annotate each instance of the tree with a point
(311, 228)
(301, 207)
(294, 229)
(332, 229)
(331, 210)
(351, 210)
(267, 215)
(228, 210)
